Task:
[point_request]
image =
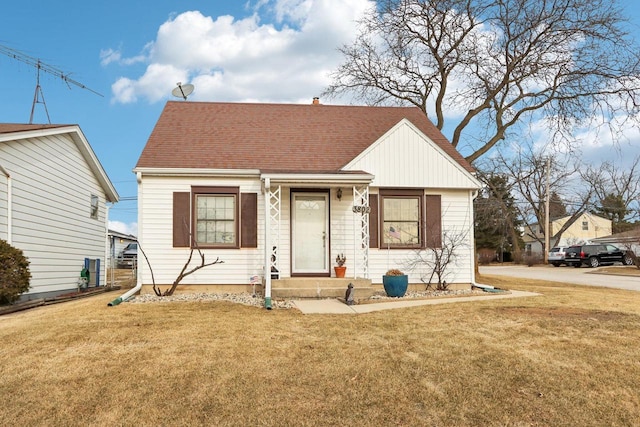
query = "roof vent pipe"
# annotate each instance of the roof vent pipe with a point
(316, 100)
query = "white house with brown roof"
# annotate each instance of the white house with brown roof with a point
(278, 191)
(53, 195)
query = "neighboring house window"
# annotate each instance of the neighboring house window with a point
(585, 225)
(216, 217)
(94, 206)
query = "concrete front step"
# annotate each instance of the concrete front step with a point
(320, 287)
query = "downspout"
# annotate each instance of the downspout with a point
(267, 244)
(107, 244)
(472, 198)
(474, 284)
(138, 286)
(9, 205)
(126, 295)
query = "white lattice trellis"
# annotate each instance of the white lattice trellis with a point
(275, 211)
(361, 211)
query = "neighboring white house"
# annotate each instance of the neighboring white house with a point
(53, 195)
(583, 230)
(117, 242)
(277, 191)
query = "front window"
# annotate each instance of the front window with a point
(585, 225)
(401, 218)
(216, 219)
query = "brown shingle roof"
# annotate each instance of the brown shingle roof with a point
(274, 137)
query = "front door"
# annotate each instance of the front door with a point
(310, 233)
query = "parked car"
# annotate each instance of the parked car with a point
(595, 255)
(129, 256)
(556, 256)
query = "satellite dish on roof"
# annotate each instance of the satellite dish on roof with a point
(182, 91)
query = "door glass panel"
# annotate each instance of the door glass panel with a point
(310, 233)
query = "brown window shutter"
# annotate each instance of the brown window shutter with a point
(374, 225)
(249, 220)
(181, 220)
(434, 221)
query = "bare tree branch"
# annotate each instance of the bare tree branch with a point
(184, 272)
(495, 64)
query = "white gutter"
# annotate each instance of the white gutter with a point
(9, 205)
(138, 286)
(197, 172)
(107, 243)
(315, 178)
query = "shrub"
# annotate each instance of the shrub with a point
(533, 259)
(14, 273)
(486, 256)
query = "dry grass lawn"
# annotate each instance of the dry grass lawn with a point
(569, 357)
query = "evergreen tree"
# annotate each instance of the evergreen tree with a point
(614, 208)
(556, 207)
(496, 218)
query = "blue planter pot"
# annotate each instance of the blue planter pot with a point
(395, 286)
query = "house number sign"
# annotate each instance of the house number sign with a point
(361, 209)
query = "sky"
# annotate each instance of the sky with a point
(134, 53)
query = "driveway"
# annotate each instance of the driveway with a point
(580, 276)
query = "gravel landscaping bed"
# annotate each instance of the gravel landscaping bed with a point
(258, 301)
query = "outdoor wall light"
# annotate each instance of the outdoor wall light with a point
(339, 194)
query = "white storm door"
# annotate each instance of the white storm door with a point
(310, 236)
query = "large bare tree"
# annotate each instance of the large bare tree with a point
(495, 65)
(618, 194)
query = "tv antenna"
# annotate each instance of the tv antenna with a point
(38, 96)
(182, 91)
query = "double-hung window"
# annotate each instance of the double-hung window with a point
(216, 217)
(93, 213)
(402, 217)
(405, 219)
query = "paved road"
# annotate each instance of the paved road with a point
(580, 276)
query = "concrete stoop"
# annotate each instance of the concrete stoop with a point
(320, 287)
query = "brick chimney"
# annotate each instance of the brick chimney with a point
(316, 100)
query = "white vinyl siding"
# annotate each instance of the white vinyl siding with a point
(155, 198)
(240, 264)
(4, 203)
(52, 185)
(456, 218)
(406, 158)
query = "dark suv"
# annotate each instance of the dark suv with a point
(595, 255)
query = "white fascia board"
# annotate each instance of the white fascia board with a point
(36, 133)
(247, 173)
(316, 179)
(94, 163)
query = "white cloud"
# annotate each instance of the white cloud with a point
(108, 56)
(231, 59)
(121, 227)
